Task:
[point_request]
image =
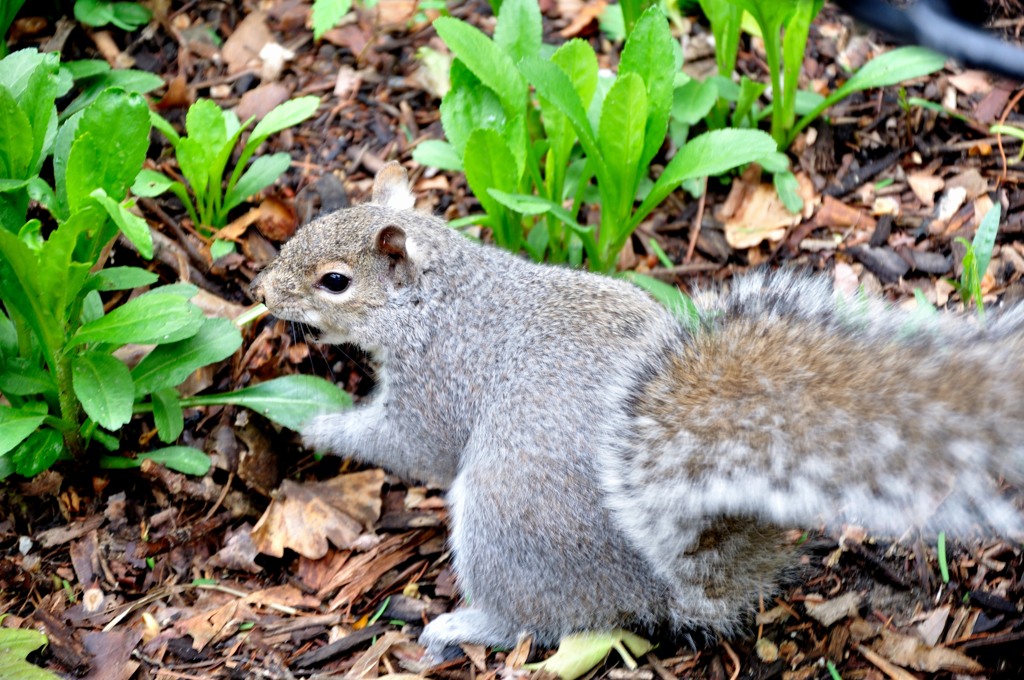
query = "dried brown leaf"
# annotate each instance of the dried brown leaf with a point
(305, 517)
(827, 612)
(242, 48)
(910, 652)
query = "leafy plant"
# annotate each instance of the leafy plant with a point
(784, 26)
(62, 381)
(8, 10)
(533, 162)
(203, 154)
(976, 259)
(128, 16)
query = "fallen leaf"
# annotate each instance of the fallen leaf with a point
(238, 552)
(242, 48)
(210, 625)
(971, 82)
(112, 654)
(261, 100)
(432, 72)
(909, 652)
(346, 83)
(827, 612)
(304, 517)
(970, 181)
(925, 186)
(588, 13)
(580, 652)
(761, 216)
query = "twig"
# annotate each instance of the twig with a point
(1002, 121)
(734, 657)
(697, 223)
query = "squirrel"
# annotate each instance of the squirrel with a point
(608, 467)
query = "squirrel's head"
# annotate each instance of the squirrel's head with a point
(340, 270)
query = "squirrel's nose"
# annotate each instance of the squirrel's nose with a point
(256, 289)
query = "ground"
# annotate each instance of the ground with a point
(151, 574)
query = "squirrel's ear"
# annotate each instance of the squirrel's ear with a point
(391, 188)
(391, 242)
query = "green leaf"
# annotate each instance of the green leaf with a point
(99, 159)
(326, 15)
(165, 128)
(184, 459)
(706, 155)
(788, 188)
(794, 45)
(621, 139)
(289, 401)
(38, 452)
(130, 16)
(15, 645)
(131, 225)
(31, 79)
(155, 317)
(489, 165)
(263, 172)
(61, 277)
(8, 337)
(121, 278)
(577, 60)
(167, 414)
(21, 290)
(519, 28)
(726, 19)
(15, 145)
(18, 423)
(169, 365)
(985, 239)
(195, 161)
(150, 183)
(129, 80)
(24, 377)
(437, 154)
(650, 53)
(693, 101)
(221, 247)
(283, 116)
(553, 85)
(469, 105)
(103, 385)
(493, 67)
(895, 66)
(204, 124)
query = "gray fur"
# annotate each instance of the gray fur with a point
(607, 468)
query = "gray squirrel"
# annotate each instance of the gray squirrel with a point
(604, 466)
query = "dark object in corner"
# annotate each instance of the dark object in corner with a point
(942, 26)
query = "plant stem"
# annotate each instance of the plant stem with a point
(70, 409)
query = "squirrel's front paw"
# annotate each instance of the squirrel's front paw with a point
(443, 635)
(320, 433)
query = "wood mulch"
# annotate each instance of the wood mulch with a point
(151, 574)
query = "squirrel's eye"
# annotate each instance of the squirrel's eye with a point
(334, 282)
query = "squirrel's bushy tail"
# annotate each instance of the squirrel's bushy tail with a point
(793, 407)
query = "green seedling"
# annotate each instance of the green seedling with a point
(205, 151)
